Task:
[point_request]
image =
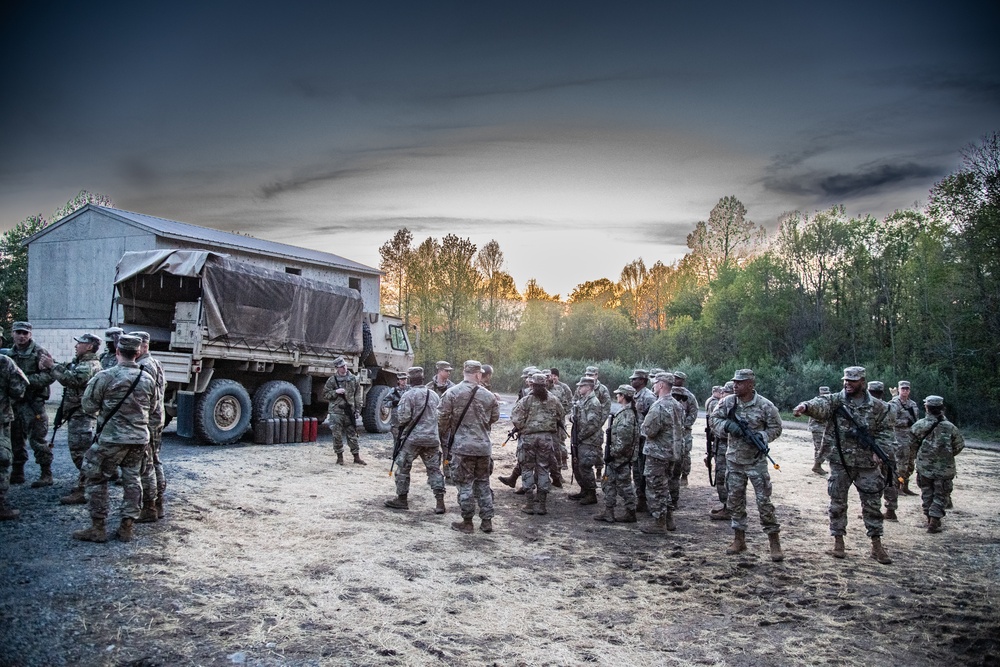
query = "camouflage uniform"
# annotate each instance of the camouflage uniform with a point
(122, 439)
(588, 418)
(623, 440)
(564, 395)
(644, 399)
(663, 449)
(30, 420)
(394, 398)
(721, 445)
(818, 429)
(744, 462)
(471, 464)
(422, 440)
(74, 376)
(13, 384)
(343, 410)
(690, 410)
(154, 483)
(439, 389)
(907, 415)
(861, 468)
(537, 422)
(939, 442)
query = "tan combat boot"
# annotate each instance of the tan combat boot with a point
(486, 525)
(357, 459)
(439, 509)
(464, 526)
(838, 550)
(340, 458)
(74, 497)
(935, 525)
(721, 514)
(540, 507)
(890, 515)
(607, 515)
(96, 532)
(879, 552)
(668, 523)
(125, 533)
(776, 554)
(529, 503)
(148, 512)
(739, 543)
(818, 468)
(45, 479)
(658, 527)
(398, 503)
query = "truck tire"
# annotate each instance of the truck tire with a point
(222, 414)
(377, 413)
(277, 399)
(367, 344)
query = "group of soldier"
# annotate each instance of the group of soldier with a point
(640, 450)
(112, 406)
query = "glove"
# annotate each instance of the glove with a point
(732, 427)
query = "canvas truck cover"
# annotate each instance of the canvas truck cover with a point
(242, 303)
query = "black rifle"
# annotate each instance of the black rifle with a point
(512, 434)
(61, 418)
(709, 453)
(402, 437)
(751, 436)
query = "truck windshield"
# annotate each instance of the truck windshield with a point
(397, 338)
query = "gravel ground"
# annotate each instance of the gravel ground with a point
(272, 555)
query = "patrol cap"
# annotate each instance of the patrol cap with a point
(88, 338)
(538, 378)
(680, 375)
(663, 377)
(729, 388)
(593, 369)
(21, 326)
(716, 388)
(528, 371)
(585, 381)
(639, 373)
(744, 374)
(625, 390)
(488, 370)
(903, 384)
(415, 371)
(401, 375)
(854, 373)
(339, 362)
(824, 391)
(875, 385)
(141, 335)
(129, 343)
(470, 366)
(442, 366)
(934, 401)
(110, 334)
(678, 391)
(653, 372)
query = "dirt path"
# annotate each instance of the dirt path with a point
(273, 555)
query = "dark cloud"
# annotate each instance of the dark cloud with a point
(659, 233)
(866, 180)
(969, 84)
(552, 84)
(309, 178)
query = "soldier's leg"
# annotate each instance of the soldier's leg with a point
(19, 440)
(351, 433)
(736, 502)
(540, 455)
(98, 464)
(147, 474)
(623, 484)
(639, 477)
(481, 487)
(79, 437)
(721, 466)
(462, 472)
(39, 435)
(156, 441)
(939, 498)
(869, 482)
(837, 486)
(926, 486)
(609, 487)
(674, 483)
(431, 456)
(657, 489)
(761, 480)
(686, 459)
(337, 432)
(404, 464)
(524, 466)
(131, 483)
(589, 458)
(6, 460)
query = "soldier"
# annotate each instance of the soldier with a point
(663, 449)
(13, 384)
(441, 382)
(30, 420)
(907, 414)
(558, 454)
(690, 406)
(644, 399)
(891, 491)
(121, 398)
(619, 452)
(394, 397)
(74, 376)
(467, 415)
(602, 393)
(344, 393)
(851, 416)
(564, 394)
(744, 460)
(154, 483)
(938, 443)
(537, 417)
(720, 442)
(418, 421)
(108, 359)
(588, 420)
(817, 428)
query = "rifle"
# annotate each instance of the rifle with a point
(751, 436)
(512, 434)
(865, 438)
(709, 453)
(401, 437)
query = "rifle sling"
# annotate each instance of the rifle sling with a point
(840, 452)
(451, 436)
(114, 410)
(413, 424)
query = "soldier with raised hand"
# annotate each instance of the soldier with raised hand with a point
(109, 358)
(619, 452)
(13, 384)
(744, 460)
(587, 431)
(343, 391)
(907, 414)
(418, 427)
(817, 429)
(441, 382)
(644, 399)
(467, 413)
(663, 449)
(938, 442)
(31, 423)
(154, 482)
(536, 417)
(851, 417)
(74, 376)
(690, 406)
(120, 398)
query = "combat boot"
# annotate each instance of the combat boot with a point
(398, 503)
(721, 514)
(486, 525)
(464, 526)
(838, 550)
(510, 481)
(74, 497)
(935, 525)
(775, 543)
(148, 512)
(96, 532)
(739, 543)
(890, 515)
(879, 552)
(125, 533)
(529, 504)
(45, 479)
(658, 527)
(557, 480)
(948, 504)
(669, 522)
(607, 515)
(684, 480)
(906, 489)
(340, 458)
(357, 459)
(589, 497)
(439, 509)
(640, 504)
(8, 513)
(577, 496)
(629, 516)
(17, 473)
(540, 507)
(520, 492)
(818, 468)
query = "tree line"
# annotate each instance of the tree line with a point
(913, 295)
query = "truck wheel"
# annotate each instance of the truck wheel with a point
(222, 414)
(277, 399)
(378, 411)
(367, 344)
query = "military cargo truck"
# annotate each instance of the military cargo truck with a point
(239, 343)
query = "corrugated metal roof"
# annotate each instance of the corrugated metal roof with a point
(185, 231)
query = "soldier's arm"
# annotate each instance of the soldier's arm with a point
(495, 410)
(517, 414)
(17, 382)
(957, 441)
(358, 395)
(444, 416)
(330, 388)
(91, 401)
(652, 425)
(773, 417)
(405, 410)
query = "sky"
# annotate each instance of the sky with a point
(579, 135)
